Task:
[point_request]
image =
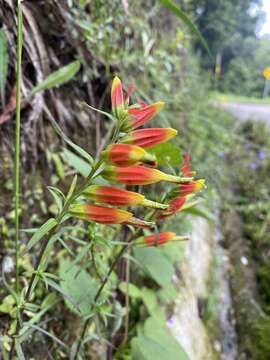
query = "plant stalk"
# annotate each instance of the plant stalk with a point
(18, 141)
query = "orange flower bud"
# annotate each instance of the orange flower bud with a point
(106, 215)
(175, 205)
(100, 214)
(147, 138)
(160, 239)
(186, 168)
(140, 116)
(117, 98)
(119, 197)
(180, 202)
(126, 155)
(192, 187)
(139, 175)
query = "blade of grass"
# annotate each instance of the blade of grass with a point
(18, 140)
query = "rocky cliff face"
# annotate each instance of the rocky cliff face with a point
(203, 310)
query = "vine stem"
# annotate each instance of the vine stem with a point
(18, 140)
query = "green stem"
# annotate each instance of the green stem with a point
(17, 141)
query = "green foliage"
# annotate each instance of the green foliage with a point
(155, 342)
(80, 165)
(41, 232)
(59, 77)
(167, 154)
(79, 285)
(156, 264)
(132, 289)
(244, 75)
(170, 5)
(230, 29)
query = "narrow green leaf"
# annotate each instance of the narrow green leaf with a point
(59, 166)
(42, 231)
(61, 133)
(72, 187)
(4, 339)
(132, 289)
(3, 65)
(58, 191)
(171, 6)
(65, 246)
(81, 255)
(38, 328)
(77, 163)
(79, 150)
(111, 117)
(57, 197)
(58, 77)
(19, 350)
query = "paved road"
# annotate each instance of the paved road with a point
(248, 111)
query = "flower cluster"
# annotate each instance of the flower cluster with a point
(183, 192)
(128, 162)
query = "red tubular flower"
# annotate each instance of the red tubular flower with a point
(126, 155)
(100, 214)
(119, 197)
(117, 96)
(139, 175)
(105, 215)
(160, 239)
(140, 116)
(135, 115)
(175, 205)
(179, 202)
(192, 187)
(186, 168)
(147, 138)
(130, 91)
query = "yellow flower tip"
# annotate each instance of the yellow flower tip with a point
(200, 184)
(116, 81)
(171, 133)
(159, 105)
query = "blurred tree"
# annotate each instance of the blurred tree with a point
(230, 28)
